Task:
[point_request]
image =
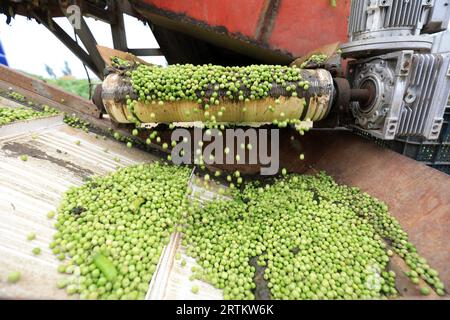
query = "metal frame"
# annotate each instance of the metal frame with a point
(113, 15)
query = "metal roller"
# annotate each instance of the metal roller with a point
(312, 104)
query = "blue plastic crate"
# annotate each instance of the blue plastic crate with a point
(435, 153)
(445, 132)
(417, 150)
(443, 154)
(425, 153)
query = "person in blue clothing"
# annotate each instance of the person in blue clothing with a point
(2, 55)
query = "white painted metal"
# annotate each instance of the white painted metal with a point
(171, 279)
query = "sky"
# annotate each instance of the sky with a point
(29, 46)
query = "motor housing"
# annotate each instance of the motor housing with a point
(380, 26)
(407, 98)
(403, 60)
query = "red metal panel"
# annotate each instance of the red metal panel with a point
(303, 25)
(236, 16)
(295, 27)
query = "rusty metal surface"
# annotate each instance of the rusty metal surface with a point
(417, 195)
(108, 53)
(64, 102)
(45, 93)
(405, 287)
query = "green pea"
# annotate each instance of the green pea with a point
(424, 291)
(31, 236)
(14, 277)
(195, 289)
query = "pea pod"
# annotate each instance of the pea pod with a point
(105, 266)
(136, 204)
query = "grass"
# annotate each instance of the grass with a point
(76, 86)
(79, 87)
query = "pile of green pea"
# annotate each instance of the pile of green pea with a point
(111, 231)
(177, 82)
(315, 59)
(312, 238)
(9, 115)
(76, 122)
(16, 96)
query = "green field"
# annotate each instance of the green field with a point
(77, 86)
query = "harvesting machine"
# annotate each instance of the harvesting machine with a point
(391, 87)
